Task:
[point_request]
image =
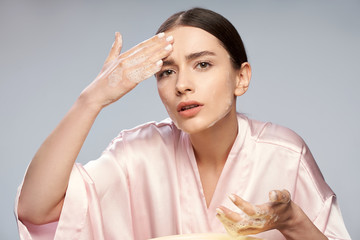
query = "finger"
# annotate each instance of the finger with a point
(150, 54)
(277, 196)
(115, 49)
(236, 226)
(119, 42)
(245, 206)
(157, 51)
(141, 65)
(140, 73)
(158, 40)
(162, 53)
(225, 213)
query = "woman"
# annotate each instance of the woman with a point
(175, 176)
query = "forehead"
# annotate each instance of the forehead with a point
(188, 40)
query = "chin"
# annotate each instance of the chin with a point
(193, 126)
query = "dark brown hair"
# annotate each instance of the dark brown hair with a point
(214, 24)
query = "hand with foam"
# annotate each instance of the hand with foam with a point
(122, 72)
(257, 218)
(279, 213)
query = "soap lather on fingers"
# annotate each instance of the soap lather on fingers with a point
(143, 61)
(254, 219)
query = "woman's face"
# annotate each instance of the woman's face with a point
(197, 81)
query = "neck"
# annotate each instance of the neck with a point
(212, 146)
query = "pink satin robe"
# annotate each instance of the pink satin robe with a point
(146, 184)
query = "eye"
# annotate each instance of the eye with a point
(165, 73)
(203, 65)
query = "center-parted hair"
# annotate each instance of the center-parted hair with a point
(213, 23)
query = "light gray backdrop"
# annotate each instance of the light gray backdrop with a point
(304, 56)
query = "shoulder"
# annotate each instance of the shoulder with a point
(148, 134)
(274, 134)
(285, 153)
(150, 129)
(290, 146)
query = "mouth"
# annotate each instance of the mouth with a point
(188, 109)
(184, 106)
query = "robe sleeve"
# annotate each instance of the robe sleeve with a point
(317, 200)
(74, 214)
(331, 220)
(96, 205)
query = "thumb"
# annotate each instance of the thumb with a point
(115, 49)
(277, 196)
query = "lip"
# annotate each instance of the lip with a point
(191, 111)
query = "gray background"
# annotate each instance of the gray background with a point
(304, 56)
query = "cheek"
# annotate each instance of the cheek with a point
(161, 90)
(167, 100)
(223, 100)
(164, 94)
(230, 85)
(224, 90)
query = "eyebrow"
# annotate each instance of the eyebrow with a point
(199, 54)
(190, 57)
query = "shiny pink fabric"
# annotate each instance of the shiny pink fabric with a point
(146, 184)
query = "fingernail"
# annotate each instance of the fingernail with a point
(220, 211)
(169, 38)
(159, 63)
(160, 35)
(273, 196)
(168, 47)
(232, 197)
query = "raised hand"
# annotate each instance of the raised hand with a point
(122, 72)
(47, 177)
(256, 218)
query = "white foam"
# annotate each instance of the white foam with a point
(135, 60)
(115, 77)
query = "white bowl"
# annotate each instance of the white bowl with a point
(204, 236)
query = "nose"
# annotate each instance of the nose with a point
(184, 84)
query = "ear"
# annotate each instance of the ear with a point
(243, 79)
